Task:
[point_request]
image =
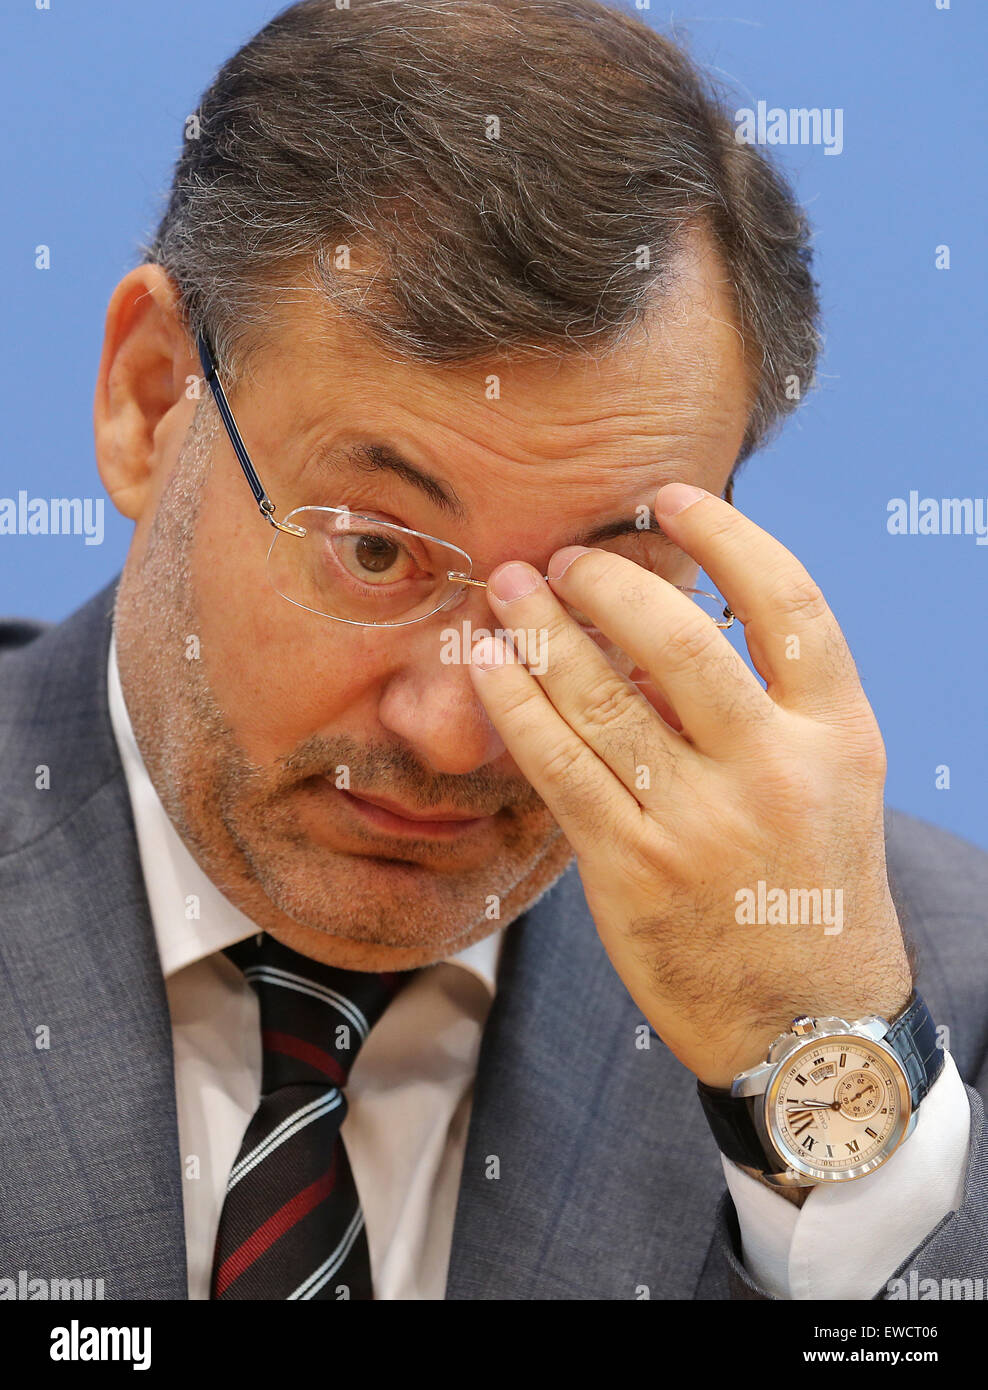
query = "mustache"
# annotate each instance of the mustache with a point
(393, 771)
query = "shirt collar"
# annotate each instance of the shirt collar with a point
(192, 919)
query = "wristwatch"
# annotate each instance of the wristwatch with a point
(832, 1101)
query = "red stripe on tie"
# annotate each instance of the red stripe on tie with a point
(291, 1046)
(265, 1236)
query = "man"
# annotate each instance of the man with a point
(398, 866)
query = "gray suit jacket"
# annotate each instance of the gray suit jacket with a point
(610, 1182)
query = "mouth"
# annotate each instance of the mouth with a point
(439, 823)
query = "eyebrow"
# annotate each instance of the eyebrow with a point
(381, 458)
(623, 526)
(375, 457)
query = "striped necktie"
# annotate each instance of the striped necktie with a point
(291, 1225)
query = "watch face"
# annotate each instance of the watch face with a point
(838, 1107)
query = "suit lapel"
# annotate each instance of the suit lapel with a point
(589, 1170)
(86, 1071)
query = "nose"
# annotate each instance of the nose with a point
(429, 700)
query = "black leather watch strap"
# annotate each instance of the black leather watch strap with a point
(913, 1036)
(731, 1120)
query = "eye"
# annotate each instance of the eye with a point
(375, 557)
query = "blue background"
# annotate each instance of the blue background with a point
(96, 97)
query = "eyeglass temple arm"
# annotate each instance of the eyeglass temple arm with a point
(264, 503)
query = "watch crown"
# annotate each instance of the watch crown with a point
(802, 1025)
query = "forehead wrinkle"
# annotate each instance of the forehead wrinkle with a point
(677, 431)
(667, 394)
(682, 406)
(669, 442)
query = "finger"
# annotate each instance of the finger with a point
(715, 696)
(794, 639)
(589, 804)
(606, 710)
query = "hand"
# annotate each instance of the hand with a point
(741, 784)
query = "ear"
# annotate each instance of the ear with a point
(141, 409)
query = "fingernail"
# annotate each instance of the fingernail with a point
(487, 653)
(562, 559)
(514, 580)
(676, 497)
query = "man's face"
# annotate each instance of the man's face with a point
(274, 735)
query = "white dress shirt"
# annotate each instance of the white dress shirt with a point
(410, 1092)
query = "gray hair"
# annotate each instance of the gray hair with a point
(467, 179)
